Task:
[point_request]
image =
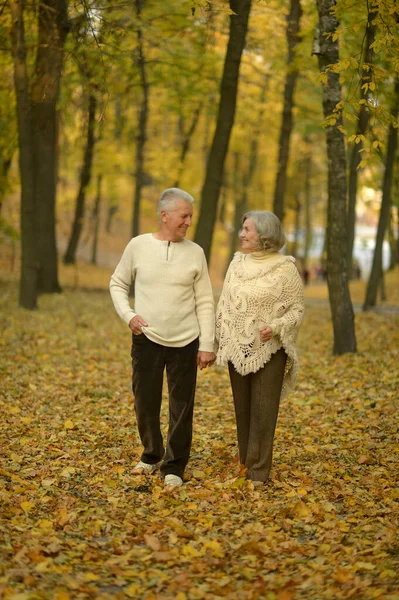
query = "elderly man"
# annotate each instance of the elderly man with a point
(172, 327)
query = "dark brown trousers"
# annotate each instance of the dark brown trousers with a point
(149, 360)
(256, 402)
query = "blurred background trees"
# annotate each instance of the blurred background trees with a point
(103, 105)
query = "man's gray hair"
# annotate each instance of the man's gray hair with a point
(269, 228)
(170, 197)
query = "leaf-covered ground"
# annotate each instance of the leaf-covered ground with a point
(77, 525)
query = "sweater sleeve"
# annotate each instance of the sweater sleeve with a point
(292, 307)
(204, 306)
(120, 283)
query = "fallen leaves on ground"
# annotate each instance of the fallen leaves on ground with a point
(77, 524)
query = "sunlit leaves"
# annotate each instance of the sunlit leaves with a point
(77, 524)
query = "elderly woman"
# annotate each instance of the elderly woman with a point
(257, 323)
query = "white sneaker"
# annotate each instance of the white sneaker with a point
(173, 480)
(144, 468)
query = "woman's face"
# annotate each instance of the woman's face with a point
(249, 236)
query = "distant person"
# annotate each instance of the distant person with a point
(257, 322)
(172, 327)
(306, 276)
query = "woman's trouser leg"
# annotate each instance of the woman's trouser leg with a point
(266, 385)
(181, 372)
(148, 366)
(241, 388)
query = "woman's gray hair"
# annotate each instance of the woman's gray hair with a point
(170, 197)
(269, 228)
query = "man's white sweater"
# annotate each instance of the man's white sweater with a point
(173, 292)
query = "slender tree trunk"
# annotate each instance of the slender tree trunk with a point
(293, 20)
(5, 164)
(363, 122)
(392, 241)
(228, 95)
(340, 301)
(112, 210)
(96, 219)
(85, 176)
(28, 290)
(241, 203)
(53, 27)
(307, 201)
(142, 123)
(239, 208)
(187, 137)
(376, 269)
(298, 209)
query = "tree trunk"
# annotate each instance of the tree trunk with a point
(28, 290)
(96, 219)
(112, 210)
(298, 208)
(187, 137)
(228, 95)
(240, 205)
(307, 201)
(5, 164)
(363, 121)
(239, 208)
(85, 176)
(392, 241)
(340, 301)
(53, 27)
(292, 33)
(376, 269)
(142, 124)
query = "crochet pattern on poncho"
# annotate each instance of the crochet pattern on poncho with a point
(251, 299)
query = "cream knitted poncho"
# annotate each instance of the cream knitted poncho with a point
(260, 289)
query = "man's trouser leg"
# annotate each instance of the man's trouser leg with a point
(148, 364)
(181, 371)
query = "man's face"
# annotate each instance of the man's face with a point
(177, 220)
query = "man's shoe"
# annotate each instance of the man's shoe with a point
(143, 468)
(173, 481)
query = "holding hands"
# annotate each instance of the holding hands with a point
(205, 359)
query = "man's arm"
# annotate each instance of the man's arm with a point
(205, 309)
(120, 283)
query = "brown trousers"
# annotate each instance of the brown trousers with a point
(149, 361)
(256, 402)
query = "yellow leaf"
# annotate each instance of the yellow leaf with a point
(47, 482)
(91, 577)
(300, 509)
(134, 590)
(365, 565)
(62, 596)
(45, 524)
(68, 471)
(342, 575)
(199, 474)
(69, 424)
(27, 506)
(153, 542)
(113, 500)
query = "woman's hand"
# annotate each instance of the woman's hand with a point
(266, 334)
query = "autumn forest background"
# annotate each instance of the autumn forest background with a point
(283, 105)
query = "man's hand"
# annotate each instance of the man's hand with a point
(136, 324)
(205, 359)
(266, 334)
